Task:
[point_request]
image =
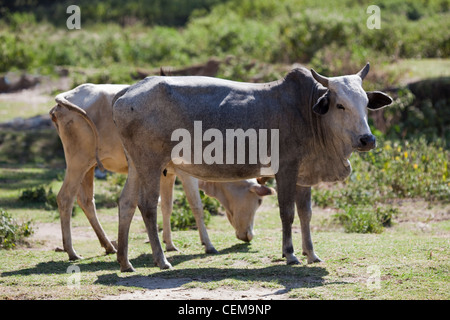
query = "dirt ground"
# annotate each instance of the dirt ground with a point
(172, 289)
(414, 215)
(49, 236)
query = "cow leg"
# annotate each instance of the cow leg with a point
(286, 182)
(148, 204)
(65, 200)
(303, 201)
(190, 186)
(166, 190)
(127, 207)
(87, 203)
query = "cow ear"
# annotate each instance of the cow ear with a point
(322, 105)
(262, 191)
(378, 100)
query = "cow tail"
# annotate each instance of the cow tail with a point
(62, 101)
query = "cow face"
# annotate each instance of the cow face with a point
(344, 109)
(241, 200)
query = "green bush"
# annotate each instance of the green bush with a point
(360, 220)
(210, 205)
(422, 110)
(39, 195)
(31, 146)
(269, 31)
(396, 169)
(365, 219)
(401, 169)
(12, 232)
(182, 217)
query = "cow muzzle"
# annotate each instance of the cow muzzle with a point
(245, 236)
(366, 142)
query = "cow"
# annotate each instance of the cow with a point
(83, 119)
(319, 122)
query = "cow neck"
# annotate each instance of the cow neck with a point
(325, 150)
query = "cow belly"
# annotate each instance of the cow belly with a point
(221, 172)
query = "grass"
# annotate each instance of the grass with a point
(11, 109)
(413, 262)
(414, 69)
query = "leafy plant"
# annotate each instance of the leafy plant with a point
(210, 204)
(182, 217)
(39, 195)
(396, 169)
(360, 220)
(12, 232)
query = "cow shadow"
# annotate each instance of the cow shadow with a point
(88, 264)
(288, 277)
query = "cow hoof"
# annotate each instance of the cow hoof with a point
(292, 261)
(114, 244)
(75, 257)
(171, 248)
(211, 250)
(316, 259)
(312, 258)
(166, 266)
(111, 250)
(130, 269)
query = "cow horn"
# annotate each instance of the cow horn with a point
(364, 71)
(321, 79)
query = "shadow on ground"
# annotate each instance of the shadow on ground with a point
(289, 277)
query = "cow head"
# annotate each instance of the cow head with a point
(240, 199)
(344, 109)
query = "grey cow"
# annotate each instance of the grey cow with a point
(320, 121)
(84, 123)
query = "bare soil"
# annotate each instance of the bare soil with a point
(173, 289)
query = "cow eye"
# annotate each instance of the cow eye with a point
(340, 106)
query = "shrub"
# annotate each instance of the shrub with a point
(12, 232)
(365, 219)
(421, 110)
(210, 204)
(406, 169)
(396, 169)
(39, 195)
(182, 217)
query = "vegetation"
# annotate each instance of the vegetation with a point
(11, 232)
(182, 217)
(39, 195)
(149, 12)
(275, 32)
(395, 170)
